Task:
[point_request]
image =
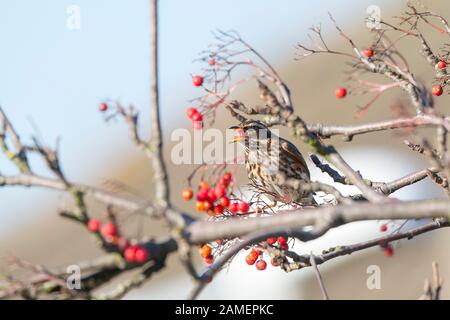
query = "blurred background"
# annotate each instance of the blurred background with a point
(52, 78)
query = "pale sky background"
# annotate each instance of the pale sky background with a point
(57, 76)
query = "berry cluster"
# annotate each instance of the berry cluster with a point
(136, 253)
(196, 117)
(437, 90)
(192, 112)
(387, 248)
(214, 200)
(255, 257)
(132, 253)
(206, 253)
(341, 92)
(281, 241)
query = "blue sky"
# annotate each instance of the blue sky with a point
(57, 76)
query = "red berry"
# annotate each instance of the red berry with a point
(383, 227)
(223, 182)
(261, 265)
(141, 254)
(219, 191)
(250, 259)
(212, 61)
(224, 201)
(234, 208)
(187, 194)
(197, 80)
(227, 176)
(130, 253)
(197, 117)
(190, 112)
(441, 65)
(368, 52)
(103, 107)
(207, 205)
(94, 225)
(271, 241)
(212, 195)
(205, 250)
(437, 90)
(197, 125)
(243, 207)
(109, 230)
(200, 205)
(218, 209)
(202, 195)
(388, 251)
(340, 93)
(284, 246)
(203, 185)
(255, 253)
(282, 241)
(209, 260)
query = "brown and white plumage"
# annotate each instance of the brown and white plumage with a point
(270, 160)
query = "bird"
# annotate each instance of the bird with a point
(272, 161)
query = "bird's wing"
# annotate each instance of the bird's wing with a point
(292, 152)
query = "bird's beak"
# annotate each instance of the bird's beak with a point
(239, 134)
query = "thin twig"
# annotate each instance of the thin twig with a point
(319, 277)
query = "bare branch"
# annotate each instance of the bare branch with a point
(326, 131)
(156, 143)
(200, 232)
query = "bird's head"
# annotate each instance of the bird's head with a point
(250, 130)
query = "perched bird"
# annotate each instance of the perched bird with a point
(272, 162)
